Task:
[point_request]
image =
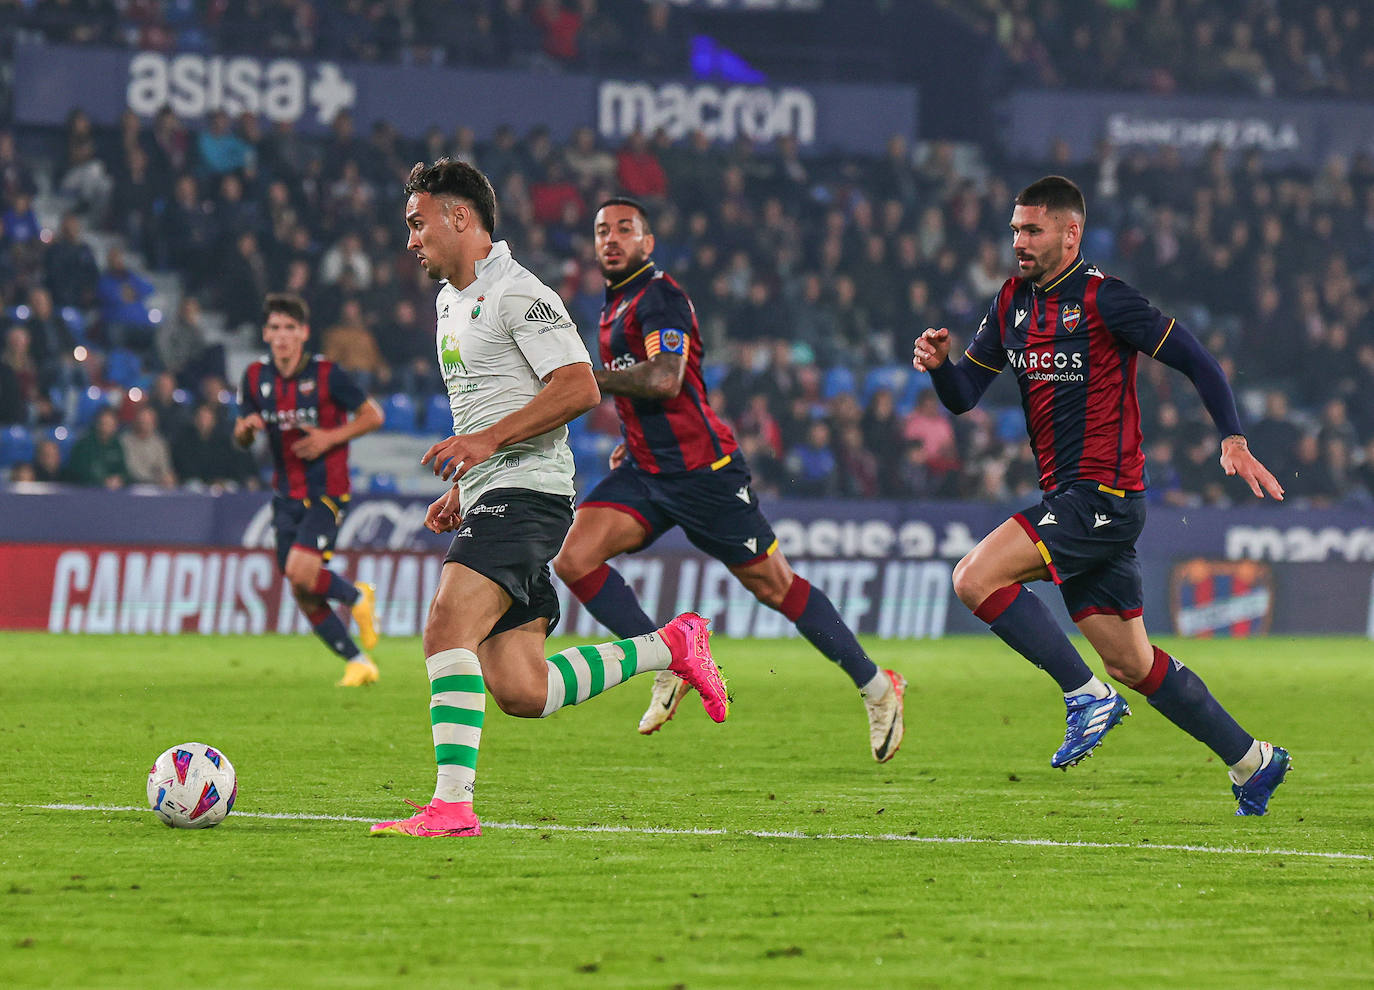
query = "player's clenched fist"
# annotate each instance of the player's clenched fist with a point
(931, 349)
(445, 512)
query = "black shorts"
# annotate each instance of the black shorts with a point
(1086, 534)
(509, 535)
(717, 510)
(312, 524)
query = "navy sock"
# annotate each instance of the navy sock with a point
(332, 632)
(817, 620)
(605, 594)
(1021, 620)
(1180, 696)
(330, 585)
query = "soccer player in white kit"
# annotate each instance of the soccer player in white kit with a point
(516, 372)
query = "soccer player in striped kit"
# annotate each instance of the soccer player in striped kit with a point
(303, 403)
(1071, 335)
(680, 466)
(517, 372)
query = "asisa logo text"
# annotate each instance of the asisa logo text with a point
(195, 85)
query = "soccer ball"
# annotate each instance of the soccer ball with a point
(192, 786)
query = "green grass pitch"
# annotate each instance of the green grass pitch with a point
(813, 865)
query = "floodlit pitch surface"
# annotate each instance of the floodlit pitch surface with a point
(966, 861)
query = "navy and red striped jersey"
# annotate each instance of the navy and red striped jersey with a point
(321, 394)
(1073, 347)
(647, 313)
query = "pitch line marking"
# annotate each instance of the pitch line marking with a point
(951, 840)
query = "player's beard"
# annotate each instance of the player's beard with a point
(628, 264)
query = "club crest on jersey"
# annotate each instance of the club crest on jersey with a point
(307, 386)
(266, 389)
(477, 309)
(1072, 314)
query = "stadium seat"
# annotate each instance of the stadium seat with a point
(438, 417)
(382, 483)
(16, 446)
(892, 377)
(713, 375)
(838, 380)
(76, 322)
(91, 401)
(400, 412)
(916, 383)
(123, 367)
(1011, 425)
(64, 438)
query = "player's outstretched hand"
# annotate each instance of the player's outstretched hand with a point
(314, 444)
(246, 428)
(617, 456)
(456, 456)
(1237, 459)
(931, 349)
(445, 512)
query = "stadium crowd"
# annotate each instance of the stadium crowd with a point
(810, 274)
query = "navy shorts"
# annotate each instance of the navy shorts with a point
(716, 509)
(509, 535)
(312, 524)
(1086, 535)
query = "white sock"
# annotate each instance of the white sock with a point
(1094, 686)
(877, 688)
(1256, 758)
(585, 671)
(457, 707)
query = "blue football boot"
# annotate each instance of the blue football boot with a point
(1254, 794)
(1089, 719)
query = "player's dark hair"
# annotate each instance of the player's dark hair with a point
(451, 177)
(288, 304)
(1054, 193)
(633, 204)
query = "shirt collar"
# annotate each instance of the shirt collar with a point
(1078, 264)
(644, 272)
(500, 251)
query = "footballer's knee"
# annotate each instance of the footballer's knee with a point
(523, 701)
(969, 586)
(1127, 670)
(576, 562)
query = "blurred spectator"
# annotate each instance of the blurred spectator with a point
(147, 455)
(69, 265)
(560, 27)
(219, 150)
(85, 177)
(205, 454)
(47, 461)
(97, 458)
(183, 345)
(244, 282)
(639, 171)
(123, 295)
(811, 464)
(350, 345)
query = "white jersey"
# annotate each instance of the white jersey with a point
(497, 339)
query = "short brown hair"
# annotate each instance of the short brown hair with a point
(288, 304)
(1054, 193)
(452, 177)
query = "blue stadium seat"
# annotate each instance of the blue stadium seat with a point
(76, 322)
(382, 483)
(1011, 425)
(838, 380)
(916, 383)
(713, 375)
(438, 417)
(16, 446)
(892, 377)
(64, 438)
(399, 409)
(92, 400)
(123, 367)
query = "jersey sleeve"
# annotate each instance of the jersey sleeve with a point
(986, 350)
(345, 390)
(1129, 316)
(539, 323)
(665, 318)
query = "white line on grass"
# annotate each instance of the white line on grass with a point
(954, 840)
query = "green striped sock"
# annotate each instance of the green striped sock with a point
(457, 705)
(585, 671)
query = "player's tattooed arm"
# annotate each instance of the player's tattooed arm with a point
(658, 379)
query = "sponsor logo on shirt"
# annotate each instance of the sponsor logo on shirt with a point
(542, 312)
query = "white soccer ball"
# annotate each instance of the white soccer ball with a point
(192, 786)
